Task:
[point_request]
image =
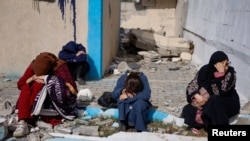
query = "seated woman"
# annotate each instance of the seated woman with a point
(132, 93)
(50, 74)
(211, 95)
(76, 57)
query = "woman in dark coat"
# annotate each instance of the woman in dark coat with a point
(218, 80)
(133, 92)
(76, 57)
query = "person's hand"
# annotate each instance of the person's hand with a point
(199, 99)
(222, 67)
(130, 95)
(202, 91)
(71, 88)
(125, 95)
(80, 52)
(38, 79)
(30, 79)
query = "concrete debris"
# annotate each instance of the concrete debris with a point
(6, 108)
(150, 56)
(61, 129)
(42, 124)
(176, 59)
(134, 66)
(105, 122)
(186, 56)
(166, 46)
(132, 136)
(86, 130)
(3, 128)
(123, 66)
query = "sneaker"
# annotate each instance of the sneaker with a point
(21, 130)
(123, 127)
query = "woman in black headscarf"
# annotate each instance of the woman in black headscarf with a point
(211, 95)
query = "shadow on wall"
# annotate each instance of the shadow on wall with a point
(92, 74)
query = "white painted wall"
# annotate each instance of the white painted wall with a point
(26, 31)
(221, 25)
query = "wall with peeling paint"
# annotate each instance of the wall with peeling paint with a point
(29, 27)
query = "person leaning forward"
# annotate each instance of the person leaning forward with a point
(45, 70)
(132, 92)
(211, 94)
(76, 57)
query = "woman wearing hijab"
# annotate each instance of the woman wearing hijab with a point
(132, 93)
(46, 73)
(211, 95)
(76, 57)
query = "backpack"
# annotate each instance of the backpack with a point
(106, 100)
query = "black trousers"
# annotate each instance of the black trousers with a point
(78, 70)
(216, 111)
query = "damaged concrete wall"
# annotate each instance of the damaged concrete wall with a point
(111, 22)
(159, 18)
(221, 25)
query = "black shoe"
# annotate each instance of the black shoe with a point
(123, 127)
(132, 129)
